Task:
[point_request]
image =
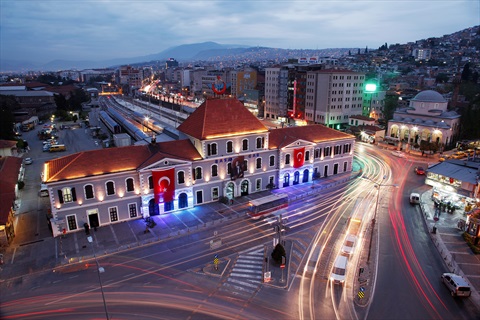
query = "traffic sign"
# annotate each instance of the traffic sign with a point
(282, 266)
(362, 289)
(361, 294)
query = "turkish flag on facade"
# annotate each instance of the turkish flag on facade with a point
(298, 157)
(164, 185)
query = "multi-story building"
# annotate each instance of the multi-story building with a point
(242, 80)
(130, 76)
(332, 96)
(276, 79)
(229, 153)
(421, 54)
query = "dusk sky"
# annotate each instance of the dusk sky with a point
(44, 30)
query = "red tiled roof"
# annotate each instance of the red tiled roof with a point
(103, 161)
(9, 170)
(221, 117)
(180, 149)
(96, 162)
(282, 137)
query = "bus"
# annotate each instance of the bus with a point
(267, 205)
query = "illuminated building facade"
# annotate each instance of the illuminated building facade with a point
(229, 153)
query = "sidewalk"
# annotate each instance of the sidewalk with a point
(450, 244)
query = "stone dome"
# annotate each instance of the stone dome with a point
(429, 96)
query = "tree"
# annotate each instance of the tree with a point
(7, 105)
(466, 72)
(278, 252)
(390, 105)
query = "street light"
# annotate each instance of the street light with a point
(99, 270)
(370, 88)
(376, 185)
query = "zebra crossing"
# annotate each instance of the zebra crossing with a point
(246, 275)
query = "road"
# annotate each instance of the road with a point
(409, 266)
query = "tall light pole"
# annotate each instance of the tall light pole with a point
(99, 270)
(378, 186)
(370, 88)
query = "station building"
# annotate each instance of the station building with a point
(229, 153)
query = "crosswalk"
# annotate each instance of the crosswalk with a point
(246, 275)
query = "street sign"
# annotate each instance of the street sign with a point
(267, 276)
(362, 289)
(361, 294)
(282, 266)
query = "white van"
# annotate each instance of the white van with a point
(414, 198)
(456, 284)
(339, 270)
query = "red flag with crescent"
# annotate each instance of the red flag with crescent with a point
(298, 157)
(164, 185)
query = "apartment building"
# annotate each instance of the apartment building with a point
(332, 96)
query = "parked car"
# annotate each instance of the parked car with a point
(414, 198)
(456, 284)
(399, 154)
(459, 155)
(28, 161)
(420, 170)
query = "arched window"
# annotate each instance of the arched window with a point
(245, 144)
(214, 170)
(229, 146)
(180, 177)
(307, 155)
(110, 186)
(287, 159)
(89, 191)
(150, 182)
(259, 163)
(198, 173)
(260, 142)
(271, 161)
(130, 185)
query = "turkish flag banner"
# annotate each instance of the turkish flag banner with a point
(163, 185)
(298, 157)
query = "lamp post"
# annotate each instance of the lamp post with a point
(378, 186)
(99, 270)
(370, 88)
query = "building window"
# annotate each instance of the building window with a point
(260, 142)
(72, 222)
(245, 144)
(66, 195)
(211, 149)
(198, 173)
(327, 151)
(317, 153)
(113, 214)
(214, 170)
(271, 161)
(132, 209)
(229, 146)
(307, 155)
(89, 192)
(215, 193)
(150, 182)
(180, 177)
(130, 185)
(337, 150)
(258, 184)
(287, 159)
(229, 168)
(259, 163)
(110, 186)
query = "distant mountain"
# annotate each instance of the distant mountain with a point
(180, 53)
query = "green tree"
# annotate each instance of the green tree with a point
(390, 105)
(7, 105)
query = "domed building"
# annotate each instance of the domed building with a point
(426, 118)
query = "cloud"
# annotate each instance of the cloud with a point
(96, 30)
